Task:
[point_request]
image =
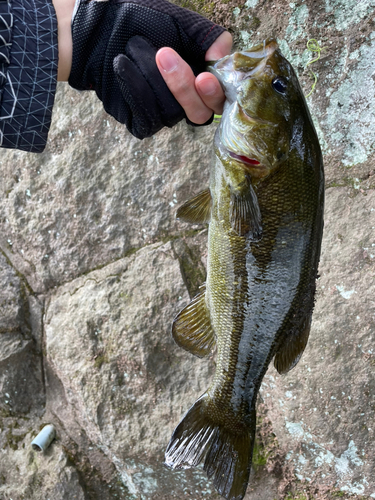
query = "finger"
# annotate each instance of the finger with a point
(210, 91)
(220, 48)
(207, 85)
(180, 80)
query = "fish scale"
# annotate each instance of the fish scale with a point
(264, 207)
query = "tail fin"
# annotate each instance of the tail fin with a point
(227, 453)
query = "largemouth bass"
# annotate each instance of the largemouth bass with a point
(264, 206)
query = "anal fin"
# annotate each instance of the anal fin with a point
(245, 216)
(292, 348)
(197, 210)
(192, 328)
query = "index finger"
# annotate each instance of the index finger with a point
(220, 48)
(206, 84)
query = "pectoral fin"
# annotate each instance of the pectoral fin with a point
(192, 328)
(197, 210)
(291, 350)
(245, 216)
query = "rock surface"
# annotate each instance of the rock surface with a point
(93, 268)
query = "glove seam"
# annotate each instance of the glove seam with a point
(209, 31)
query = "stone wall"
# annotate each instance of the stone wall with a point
(93, 268)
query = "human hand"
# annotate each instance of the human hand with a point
(120, 64)
(199, 96)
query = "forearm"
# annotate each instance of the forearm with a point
(64, 11)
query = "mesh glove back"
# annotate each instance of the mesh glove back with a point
(114, 48)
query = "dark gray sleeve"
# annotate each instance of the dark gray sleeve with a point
(28, 72)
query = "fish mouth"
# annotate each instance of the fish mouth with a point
(232, 69)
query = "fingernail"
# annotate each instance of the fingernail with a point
(207, 87)
(168, 61)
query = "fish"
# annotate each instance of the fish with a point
(264, 207)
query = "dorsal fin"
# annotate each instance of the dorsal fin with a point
(192, 328)
(197, 210)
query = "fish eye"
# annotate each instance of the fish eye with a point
(279, 84)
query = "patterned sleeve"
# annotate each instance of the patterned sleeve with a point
(28, 72)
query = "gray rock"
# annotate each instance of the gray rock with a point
(96, 193)
(21, 381)
(93, 268)
(25, 473)
(108, 341)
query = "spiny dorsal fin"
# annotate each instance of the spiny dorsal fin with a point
(292, 349)
(245, 216)
(197, 210)
(192, 328)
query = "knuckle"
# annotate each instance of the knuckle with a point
(182, 85)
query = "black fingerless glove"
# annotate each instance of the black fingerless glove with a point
(114, 48)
